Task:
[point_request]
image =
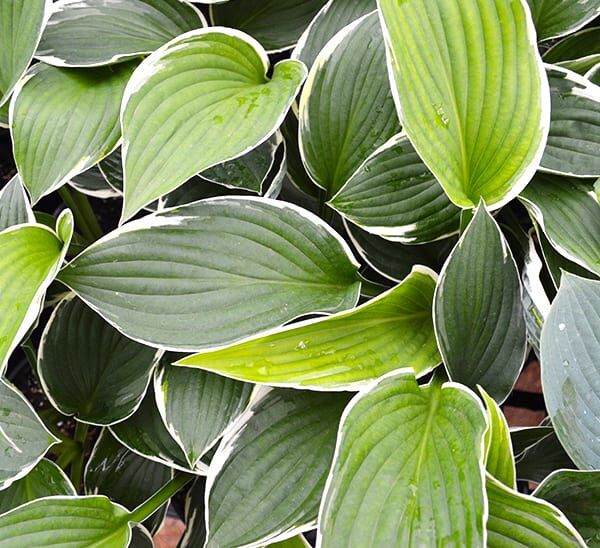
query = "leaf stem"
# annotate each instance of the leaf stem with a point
(465, 218)
(146, 509)
(81, 432)
(85, 217)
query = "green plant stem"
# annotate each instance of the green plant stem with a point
(146, 509)
(465, 218)
(85, 217)
(81, 431)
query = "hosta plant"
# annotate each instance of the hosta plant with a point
(281, 262)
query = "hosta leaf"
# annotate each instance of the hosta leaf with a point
(542, 458)
(523, 438)
(77, 522)
(561, 17)
(431, 492)
(337, 136)
(30, 256)
(44, 480)
(555, 202)
(295, 542)
(579, 52)
(23, 437)
(593, 75)
(574, 141)
(332, 18)
(221, 105)
(87, 33)
(21, 26)
(214, 272)
(266, 480)
(480, 281)
(499, 460)
(195, 522)
(197, 406)
(88, 369)
(577, 494)
(111, 167)
(140, 538)
(4, 115)
(471, 91)
(14, 205)
(276, 24)
(394, 195)
(343, 351)
(571, 368)
(63, 121)
(520, 520)
(93, 183)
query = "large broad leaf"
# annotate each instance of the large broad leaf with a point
(87, 33)
(332, 18)
(266, 480)
(46, 479)
(21, 26)
(574, 141)
(343, 351)
(14, 205)
(555, 202)
(214, 272)
(77, 522)
(276, 24)
(221, 105)
(561, 17)
(337, 136)
(571, 368)
(579, 52)
(471, 91)
(577, 494)
(63, 121)
(407, 468)
(480, 281)
(197, 407)
(23, 437)
(519, 520)
(30, 256)
(88, 369)
(394, 195)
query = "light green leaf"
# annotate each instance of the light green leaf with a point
(555, 202)
(77, 522)
(30, 257)
(93, 183)
(23, 437)
(394, 195)
(63, 121)
(14, 205)
(276, 24)
(4, 115)
(295, 542)
(44, 480)
(197, 407)
(336, 137)
(577, 494)
(574, 141)
(499, 460)
(332, 18)
(221, 104)
(578, 53)
(88, 33)
(519, 520)
(277, 456)
(561, 17)
(480, 281)
(214, 272)
(431, 492)
(571, 366)
(340, 352)
(471, 91)
(88, 369)
(21, 26)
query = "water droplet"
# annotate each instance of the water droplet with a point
(301, 345)
(561, 326)
(565, 363)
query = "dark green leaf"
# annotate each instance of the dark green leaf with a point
(561, 17)
(14, 205)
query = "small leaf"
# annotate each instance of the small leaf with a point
(277, 456)
(571, 366)
(336, 137)
(542, 458)
(480, 281)
(63, 121)
(523, 438)
(88, 33)
(215, 271)
(394, 195)
(221, 105)
(561, 17)
(340, 352)
(93, 183)
(579, 52)
(14, 205)
(480, 123)
(88, 369)
(431, 492)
